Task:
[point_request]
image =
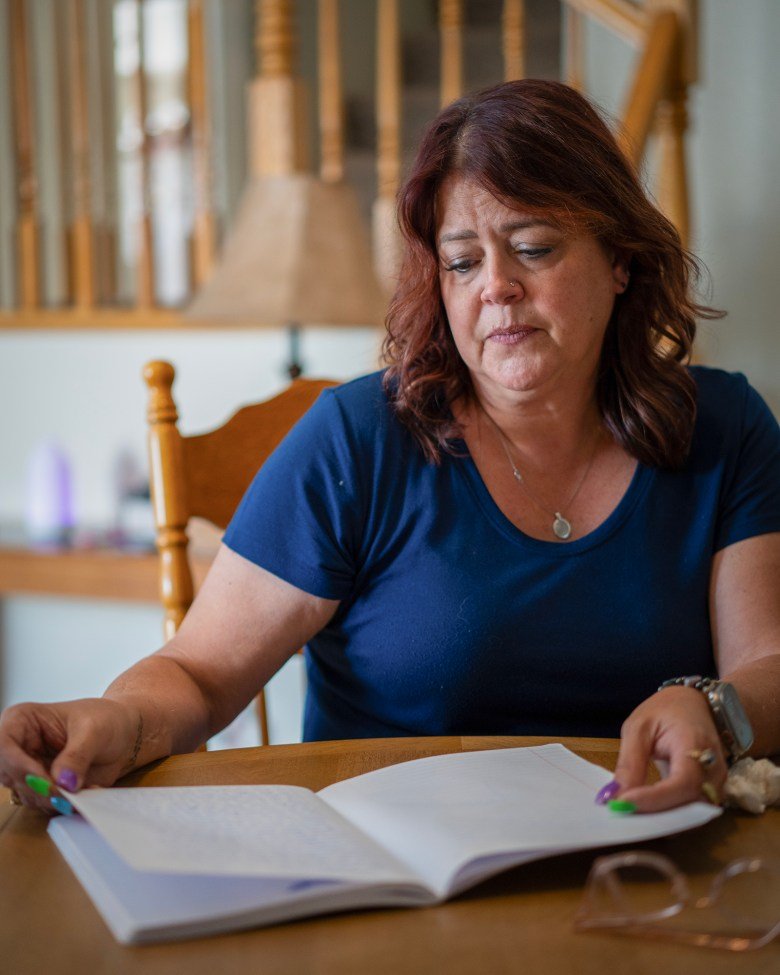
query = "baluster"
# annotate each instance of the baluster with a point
(277, 140)
(671, 122)
(204, 229)
(144, 287)
(81, 250)
(513, 32)
(104, 176)
(27, 233)
(386, 236)
(330, 99)
(451, 34)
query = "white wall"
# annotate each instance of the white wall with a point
(736, 155)
(86, 389)
(734, 159)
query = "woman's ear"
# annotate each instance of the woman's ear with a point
(621, 274)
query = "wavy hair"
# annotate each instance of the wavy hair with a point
(541, 147)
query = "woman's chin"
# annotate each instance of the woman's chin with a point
(515, 380)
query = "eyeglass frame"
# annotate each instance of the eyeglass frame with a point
(603, 874)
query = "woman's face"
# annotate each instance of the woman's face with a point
(527, 305)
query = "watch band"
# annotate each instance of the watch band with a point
(727, 712)
(696, 681)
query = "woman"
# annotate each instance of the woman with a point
(531, 520)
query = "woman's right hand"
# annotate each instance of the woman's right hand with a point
(72, 745)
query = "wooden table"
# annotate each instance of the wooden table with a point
(519, 922)
(86, 573)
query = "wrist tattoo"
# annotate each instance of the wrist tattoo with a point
(139, 735)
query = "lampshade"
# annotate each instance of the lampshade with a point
(297, 252)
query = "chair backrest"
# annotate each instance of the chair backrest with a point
(206, 475)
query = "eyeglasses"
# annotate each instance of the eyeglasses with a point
(642, 893)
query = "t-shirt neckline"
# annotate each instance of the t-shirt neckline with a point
(637, 487)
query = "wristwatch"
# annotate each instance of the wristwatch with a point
(727, 712)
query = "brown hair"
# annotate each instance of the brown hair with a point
(541, 146)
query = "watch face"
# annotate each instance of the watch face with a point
(725, 699)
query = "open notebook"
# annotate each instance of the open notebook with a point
(175, 862)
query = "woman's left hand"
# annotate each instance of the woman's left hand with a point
(671, 728)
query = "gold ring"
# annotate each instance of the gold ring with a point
(706, 757)
(709, 791)
(14, 798)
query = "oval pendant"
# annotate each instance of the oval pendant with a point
(561, 527)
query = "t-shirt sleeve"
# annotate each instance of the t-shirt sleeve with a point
(751, 499)
(300, 516)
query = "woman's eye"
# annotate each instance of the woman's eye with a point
(460, 266)
(533, 253)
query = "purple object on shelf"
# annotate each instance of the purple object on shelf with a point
(49, 504)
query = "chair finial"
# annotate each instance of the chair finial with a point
(159, 376)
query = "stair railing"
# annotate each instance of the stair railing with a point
(663, 31)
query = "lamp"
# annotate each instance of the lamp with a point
(297, 252)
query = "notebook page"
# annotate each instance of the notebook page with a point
(267, 830)
(142, 907)
(437, 814)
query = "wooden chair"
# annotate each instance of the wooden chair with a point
(206, 476)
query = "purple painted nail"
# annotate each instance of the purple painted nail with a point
(609, 791)
(68, 780)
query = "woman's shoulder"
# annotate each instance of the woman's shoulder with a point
(713, 383)
(361, 392)
(362, 405)
(725, 394)
(359, 415)
(729, 410)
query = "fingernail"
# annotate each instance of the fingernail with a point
(62, 805)
(609, 791)
(39, 785)
(68, 780)
(622, 806)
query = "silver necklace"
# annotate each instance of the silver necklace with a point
(561, 525)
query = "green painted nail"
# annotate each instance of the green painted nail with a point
(621, 806)
(39, 785)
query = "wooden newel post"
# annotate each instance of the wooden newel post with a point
(671, 122)
(166, 460)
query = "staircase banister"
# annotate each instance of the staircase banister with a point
(658, 70)
(622, 17)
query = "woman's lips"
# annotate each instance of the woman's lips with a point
(511, 335)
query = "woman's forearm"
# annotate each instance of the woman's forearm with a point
(758, 685)
(171, 712)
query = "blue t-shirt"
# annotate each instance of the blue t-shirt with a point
(452, 621)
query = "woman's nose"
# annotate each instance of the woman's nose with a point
(502, 286)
